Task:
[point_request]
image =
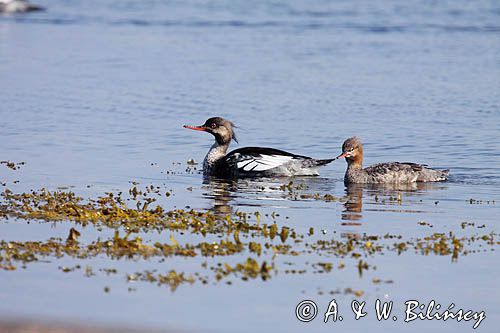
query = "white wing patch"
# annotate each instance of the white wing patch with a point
(263, 162)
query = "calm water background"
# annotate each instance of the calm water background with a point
(94, 92)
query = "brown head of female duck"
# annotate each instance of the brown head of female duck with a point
(389, 172)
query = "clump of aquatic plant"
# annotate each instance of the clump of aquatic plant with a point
(269, 248)
(12, 165)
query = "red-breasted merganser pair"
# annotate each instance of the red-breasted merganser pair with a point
(270, 162)
(250, 161)
(389, 172)
(17, 6)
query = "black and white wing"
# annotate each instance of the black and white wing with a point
(260, 160)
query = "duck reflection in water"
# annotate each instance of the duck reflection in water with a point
(353, 205)
(222, 192)
(266, 193)
(386, 195)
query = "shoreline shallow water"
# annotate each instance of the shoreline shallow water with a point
(292, 235)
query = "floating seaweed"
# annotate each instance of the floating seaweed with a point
(267, 246)
(12, 165)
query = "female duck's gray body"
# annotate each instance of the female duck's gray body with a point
(390, 172)
(250, 161)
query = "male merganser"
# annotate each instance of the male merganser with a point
(391, 172)
(250, 161)
(17, 6)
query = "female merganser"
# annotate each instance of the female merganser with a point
(250, 161)
(17, 6)
(391, 172)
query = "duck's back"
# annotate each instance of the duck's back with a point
(397, 172)
(265, 162)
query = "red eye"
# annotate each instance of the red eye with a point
(213, 125)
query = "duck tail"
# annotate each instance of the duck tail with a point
(323, 162)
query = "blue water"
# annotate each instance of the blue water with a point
(94, 95)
